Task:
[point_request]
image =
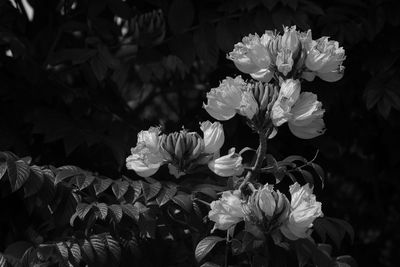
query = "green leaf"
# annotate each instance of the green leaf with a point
(180, 15)
(308, 178)
(165, 195)
(119, 188)
(113, 246)
(345, 225)
(82, 209)
(147, 225)
(3, 169)
(103, 209)
(116, 211)
(18, 173)
(131, 211)
(99, 248)
(150, 190)
(184, 201)
(88, 252)
(63, 250)
(83, 181)
(205, 246)
(67, 173)
(100, 185)
(76, 253)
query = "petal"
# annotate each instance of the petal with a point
(263, 75)
(314, 129)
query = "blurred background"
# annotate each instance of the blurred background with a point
(80, 78)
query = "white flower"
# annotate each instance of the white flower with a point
(288, 95)
(227, 211)
(213, 136)
(304, 210)
(228, 165)
(251, 56)
(224, 100)
(146, 158)
(325, 57)
(248, 105)
(306, 121)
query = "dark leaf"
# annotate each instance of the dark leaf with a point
(113, 246)
(119, 188)
(99, 248)
(100, 185)
(116, 210)
(18, 173)
(103, 210)
(184, 201)
(67, 173)
(150, 190)
(121, 9)
(205, 246)
(180, 15)
(166, 194)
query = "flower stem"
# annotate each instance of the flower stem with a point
(262, 149)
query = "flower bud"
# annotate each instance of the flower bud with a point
(290, 40)
(304, 210)
(228, 165)
(213, 136)
(266, 200)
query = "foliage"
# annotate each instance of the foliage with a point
(77, 85)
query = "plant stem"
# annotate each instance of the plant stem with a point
(226, 249)
(262, 149)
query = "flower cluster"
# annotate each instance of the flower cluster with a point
(269, 210)
(183, 151)
(293, 54)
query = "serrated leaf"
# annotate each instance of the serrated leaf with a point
(116, 211)
(100, 185)
(87, 252)
(205, 246)
(150, 190)
(184, 201)
(82, 209)
(137, 188)
(131, 211)
(119, 188)
(113, 246)
(165, 195)
(83, 181)
(63, 250)
(76, 252)
(103, 210)
(66, 173)
(99, 248)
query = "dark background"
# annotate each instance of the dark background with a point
(77, 84)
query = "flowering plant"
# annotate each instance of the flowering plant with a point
(261, 220)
